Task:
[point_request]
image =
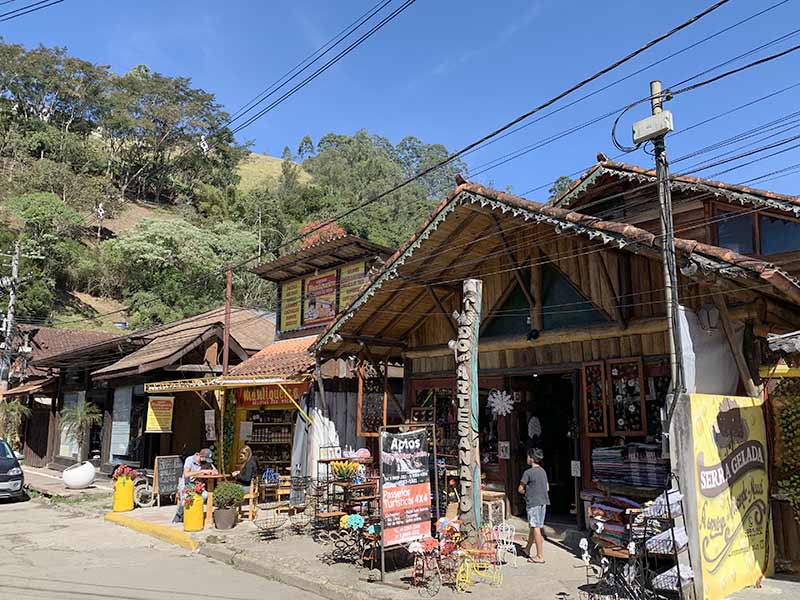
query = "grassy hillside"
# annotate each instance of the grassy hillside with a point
(257, 168)
(76, 310)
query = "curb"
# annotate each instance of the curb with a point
(320, 587)
(161, 532)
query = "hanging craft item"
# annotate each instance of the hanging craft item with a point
(500, 402)
(593, 388)
(625, 382)
(372, 399)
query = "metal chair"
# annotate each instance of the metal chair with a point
(504, 538)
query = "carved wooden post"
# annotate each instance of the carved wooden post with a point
(465, 347)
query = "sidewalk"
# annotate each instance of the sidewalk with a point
(299, 561)
(780, 587)
(49, 483)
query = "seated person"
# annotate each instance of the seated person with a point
(198, 463)
(249, 468)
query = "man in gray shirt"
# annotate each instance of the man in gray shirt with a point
(535, 487)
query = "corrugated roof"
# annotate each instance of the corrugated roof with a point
(284, 358)
(319, 257)
(49, 341)
(251, 330)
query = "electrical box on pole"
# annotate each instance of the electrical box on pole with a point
(654, 126)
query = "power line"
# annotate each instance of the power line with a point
(364, 37)
(30, 9)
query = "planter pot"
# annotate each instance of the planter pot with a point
(123, 494)
(79, 476)
(225, 518)
(193, 514)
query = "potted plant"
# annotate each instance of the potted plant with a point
(228, 498)
(123, 478)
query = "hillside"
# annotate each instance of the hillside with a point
(255, 169)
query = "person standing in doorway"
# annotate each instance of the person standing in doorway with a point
(535, 487)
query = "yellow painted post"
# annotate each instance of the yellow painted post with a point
(193, 514)
(123, 494)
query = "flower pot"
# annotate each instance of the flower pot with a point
(123, 494)
(225, 518)
(193, 514)
(78, 477)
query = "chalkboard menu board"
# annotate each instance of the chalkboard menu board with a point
(626, 383)
(371, 400)
(593, 381)
(168, 472)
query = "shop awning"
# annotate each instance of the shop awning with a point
(30, 387)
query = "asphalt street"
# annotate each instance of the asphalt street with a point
(46, 554)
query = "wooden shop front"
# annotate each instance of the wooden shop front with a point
(572, 347)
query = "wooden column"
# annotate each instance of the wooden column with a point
(466, 352)
(741, 363)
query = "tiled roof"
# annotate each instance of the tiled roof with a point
(49, 341)
(284, 358)
(250, 329)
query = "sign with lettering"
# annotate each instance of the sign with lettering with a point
(269, 395)
(405, 486)
(351, 278)
(168, 471)
(320, 301)
(466, 352)
(291, 304)
(730, 464)
(159, 414)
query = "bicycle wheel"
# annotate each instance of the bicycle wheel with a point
(143, 495)
(464, 576)
(431, 584)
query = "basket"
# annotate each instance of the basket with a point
(270, 526)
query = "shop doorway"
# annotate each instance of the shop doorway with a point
(545, 420)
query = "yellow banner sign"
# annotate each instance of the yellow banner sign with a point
(731, 475)
(159, 414)
(291, 305)
(351, 279)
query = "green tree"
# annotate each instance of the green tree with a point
(560, 186)
(78, 420)
(306, 148)
(12, 414)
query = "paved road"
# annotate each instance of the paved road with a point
(47, 554)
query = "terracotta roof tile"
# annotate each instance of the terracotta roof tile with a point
(284, 358)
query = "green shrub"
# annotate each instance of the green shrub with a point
(228, 495)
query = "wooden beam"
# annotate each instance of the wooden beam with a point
(374, 340)
(401, 313)
(609, 282)
(441, 308)
(514, 264)
(736, 349)
(418, 323)
(547, 338)
(537, 318)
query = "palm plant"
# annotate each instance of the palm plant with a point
(78, 419)
(12, 413)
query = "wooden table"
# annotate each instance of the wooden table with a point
(210, 481)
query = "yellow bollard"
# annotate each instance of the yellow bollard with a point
(193, 514)
(123, 494)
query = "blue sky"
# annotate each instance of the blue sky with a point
(449, 71)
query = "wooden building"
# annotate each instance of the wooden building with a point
(573, 324)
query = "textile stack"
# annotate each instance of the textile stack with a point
(638, 465)
(609, 520)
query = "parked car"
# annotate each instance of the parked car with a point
(12, 479)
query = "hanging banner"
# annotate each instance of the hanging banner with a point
(269, 395)
(730, 464)
(320, 301)
(291, 304)
(351, 278)
(405, 487)
(159, 414)
(210, 425)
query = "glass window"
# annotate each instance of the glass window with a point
(5, 451)
(735, 231)
(778, 235)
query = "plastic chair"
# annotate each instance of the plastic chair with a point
(504, 538)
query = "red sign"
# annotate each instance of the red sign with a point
(320, 302)
(407, 513)
(269, 395)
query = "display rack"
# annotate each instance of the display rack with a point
(272, 438)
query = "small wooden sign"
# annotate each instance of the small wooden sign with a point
(168, 471)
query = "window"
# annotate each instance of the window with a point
(778, 235)
(735, 231)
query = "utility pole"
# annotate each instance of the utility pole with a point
(8, 324)
(226, 342)
(655, 129)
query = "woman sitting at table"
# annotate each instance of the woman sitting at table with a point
(195, 465)
(249, 468)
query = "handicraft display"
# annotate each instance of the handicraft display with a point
(626, 397)
(372, 399)
(593, 398)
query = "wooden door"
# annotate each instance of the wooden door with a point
(36, 432)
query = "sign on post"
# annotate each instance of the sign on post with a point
(159, 414)
(732, 483)
(405, 487)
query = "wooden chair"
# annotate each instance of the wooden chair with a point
(250, 502)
